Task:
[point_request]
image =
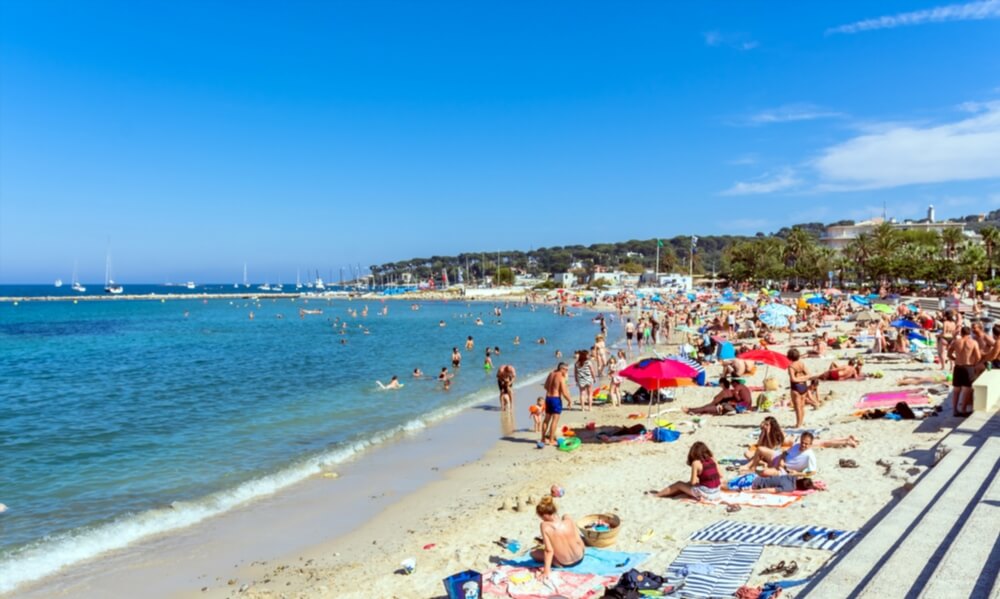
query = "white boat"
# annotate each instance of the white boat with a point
(264, 287)
(245, 282)
(318, 284)
(76, 286)
(109, 283)
(58, 283)
(190, 285)
(298, 280)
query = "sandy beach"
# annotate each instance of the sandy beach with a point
(450, 525)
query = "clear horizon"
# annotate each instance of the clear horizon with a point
(198, 138)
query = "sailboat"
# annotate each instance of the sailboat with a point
(109, 284)
(76, 283)
(245, 282)
(298, 279)
(58, 283)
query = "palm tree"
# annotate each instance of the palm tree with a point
(798, 246)
(860, 253)
(952, 238)
(991, 237)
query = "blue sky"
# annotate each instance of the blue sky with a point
(201, 135)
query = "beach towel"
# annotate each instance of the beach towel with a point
(713, 570)
(911, 397)
(766, 534)
(521, 583)
(758, 499)
(595, 561)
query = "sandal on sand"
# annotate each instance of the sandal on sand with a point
(791, 569)
(848, 463)
(731, 509)
(778, 567)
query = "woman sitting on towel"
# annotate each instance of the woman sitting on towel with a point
(562, 545)
(705, 480)
(771, 440)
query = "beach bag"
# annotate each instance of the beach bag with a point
(665, 435)
(464, 585)
(770, 384)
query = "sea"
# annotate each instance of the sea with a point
(124, 419)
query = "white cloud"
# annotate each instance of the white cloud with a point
(738, 41)
(790, 113)
(902, 154)
(970, 11)
(768, 183)
(744, 160)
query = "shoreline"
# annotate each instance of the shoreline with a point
(400, 464)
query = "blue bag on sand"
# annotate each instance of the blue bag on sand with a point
(661, 435)
(464, 585)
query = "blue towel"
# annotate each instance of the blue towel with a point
(730, 568)
(595, 561)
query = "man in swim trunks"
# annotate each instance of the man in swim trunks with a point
(964, 351)
(556, 390)
(505, 382)
(456, 358)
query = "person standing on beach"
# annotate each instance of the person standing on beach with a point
(556, 391)
(629, 333)
(505, 382)
(583, 371)
(964, 351)
(799, 378)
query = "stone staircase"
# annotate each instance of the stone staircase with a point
(942, 539)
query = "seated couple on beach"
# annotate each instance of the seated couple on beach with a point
(733, 395)
(798, 460)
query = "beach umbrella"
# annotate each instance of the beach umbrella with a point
(916, 336)
(659, 373)
(883, 308)
(774, 320)
(766, 356)
(860, 300)
(817, 300)
(867, 316)
(902, 323)
(700, 379)
(729, 307)
(779, 309)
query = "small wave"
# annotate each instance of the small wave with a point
(42, 558)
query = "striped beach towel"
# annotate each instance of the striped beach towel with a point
(713, 570)
(784, 536)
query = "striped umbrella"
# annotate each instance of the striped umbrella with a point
(700, 379)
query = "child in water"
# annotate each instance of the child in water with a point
(537, 413)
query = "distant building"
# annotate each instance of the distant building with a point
(565, 279)
(672, 281)
(838, 237)
(613, 278)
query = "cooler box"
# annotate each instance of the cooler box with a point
(464, 585)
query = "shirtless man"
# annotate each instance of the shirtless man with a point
(469, 343)
(456, 358)
(964, 351)
(556, 390)
(562, 545)
(842, 373)
(505, 382)
(738, 367)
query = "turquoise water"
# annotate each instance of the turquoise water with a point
(125, 418)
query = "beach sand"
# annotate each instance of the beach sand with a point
(450, 525)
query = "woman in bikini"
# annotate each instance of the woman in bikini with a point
(798, 376)
(948, 329)
(584, 374)
(562, 546)
(770, 442)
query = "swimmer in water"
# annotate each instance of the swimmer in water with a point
(393, 384)
(417, 373)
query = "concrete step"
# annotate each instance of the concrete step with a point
(974, 547)
(881, 564)
(930, 537)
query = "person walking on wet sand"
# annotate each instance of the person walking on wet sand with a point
(556, 391)
(505, 382)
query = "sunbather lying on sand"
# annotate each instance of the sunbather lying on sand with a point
(837, 372)
(779, 484)
(931, 379)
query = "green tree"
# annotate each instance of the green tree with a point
(991, 237)
(952, 238)
(504, 276)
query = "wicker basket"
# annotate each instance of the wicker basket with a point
(593, 538)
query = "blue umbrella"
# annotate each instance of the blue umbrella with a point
(916, 336)
(902, 323)
(817, 300)
(774, 320)
(778, 309)
(860, 300)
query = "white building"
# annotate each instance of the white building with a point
(838, 237)
(565, 279)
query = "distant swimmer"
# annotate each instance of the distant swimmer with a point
(445, 377)
(456, 358)
(541, 341)
(479, 322)
(469, 343)
(417, 373)
(393, 384)
(517, 340)
(442, 323)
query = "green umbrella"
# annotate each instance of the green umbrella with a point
(883, 308)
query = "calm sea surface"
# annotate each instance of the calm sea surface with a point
(124, 418)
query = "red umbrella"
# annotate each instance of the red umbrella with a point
(656, 373)
(766, 356)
